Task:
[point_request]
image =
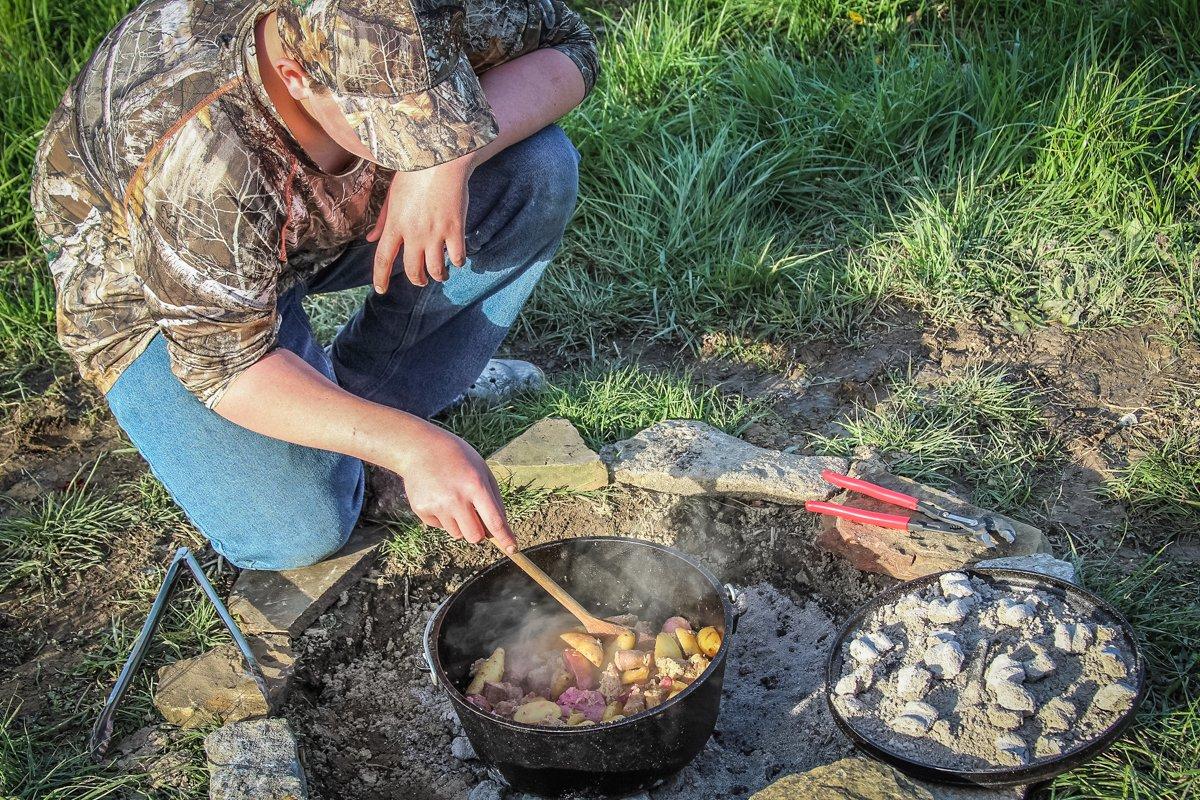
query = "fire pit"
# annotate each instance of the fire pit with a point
(609, 575)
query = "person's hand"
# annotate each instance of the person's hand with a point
(450, 487)
(425, 212)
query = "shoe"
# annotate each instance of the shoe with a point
(504, 377)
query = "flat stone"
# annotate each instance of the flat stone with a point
(860, 778)
(216, 687)
(158, 754)
(487, 790)
(686, 457)
(550, 455)
(287, 602)
(1042, 563)
(911, 555)
(255, 760)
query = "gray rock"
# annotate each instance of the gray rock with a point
(550, 455)
(687, 457)
(255, 760)
(487, 790)
(288, 601)
(461, 749)
(1042, 563)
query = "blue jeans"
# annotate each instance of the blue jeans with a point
(268, 504)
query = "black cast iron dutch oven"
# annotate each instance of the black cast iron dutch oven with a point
(608, 575)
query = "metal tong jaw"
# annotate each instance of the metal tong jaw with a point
(984, 528)
(941, 520)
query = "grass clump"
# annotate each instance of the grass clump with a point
(978, 426)
(1163, 484)
(605, 404)
(62, 534)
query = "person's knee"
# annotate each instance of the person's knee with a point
(303, 533)
(549, 180)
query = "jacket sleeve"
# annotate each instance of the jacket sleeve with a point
(502, 30)
(565, 31)
(209, 268)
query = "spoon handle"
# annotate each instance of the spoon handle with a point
(546, 582)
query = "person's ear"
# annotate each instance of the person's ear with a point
(297, 81)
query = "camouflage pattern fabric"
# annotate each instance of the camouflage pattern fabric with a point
(171, 199)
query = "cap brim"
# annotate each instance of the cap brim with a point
(423, 129)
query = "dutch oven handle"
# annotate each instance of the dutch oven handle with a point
(738, 598)
(425, 641)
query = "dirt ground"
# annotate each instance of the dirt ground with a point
(370, 723)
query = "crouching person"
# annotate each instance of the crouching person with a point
(214, 163)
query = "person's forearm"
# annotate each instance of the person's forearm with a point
(527, 94)
(283, 397)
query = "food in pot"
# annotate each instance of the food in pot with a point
(578, 679)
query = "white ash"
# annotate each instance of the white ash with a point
(1014, 612)
(1022, 675)
(955, 584)
(911, 682)
(870, 647)
(1011, 750)
(1039, 665)
(915, 719)
(945, 659)
(856, 682)
(1073, 637)
(1114, 697)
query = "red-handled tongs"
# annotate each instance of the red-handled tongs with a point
(985, 528)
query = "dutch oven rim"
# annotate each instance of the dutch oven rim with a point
(994, 776)
(433, 628)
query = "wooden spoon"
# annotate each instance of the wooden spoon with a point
(593, 625)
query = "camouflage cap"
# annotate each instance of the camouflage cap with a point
(398, 71)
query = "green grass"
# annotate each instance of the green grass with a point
(778, 169)
(606, 403)
(68, 533)
(1159, 758)
(978, 426)
(1162, 485)
(410, 542)
(60, 535)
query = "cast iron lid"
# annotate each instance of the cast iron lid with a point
(433, 634)
(1037, 770)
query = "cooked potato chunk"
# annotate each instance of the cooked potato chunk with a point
(709, 640)
(490, 671)
(667, 646)
(638, 675)
(537, 711)
(589, 646)
(611, 710)
(687, 641)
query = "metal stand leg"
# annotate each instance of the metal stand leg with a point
(102, 731)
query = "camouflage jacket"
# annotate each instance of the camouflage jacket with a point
(171, 199)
